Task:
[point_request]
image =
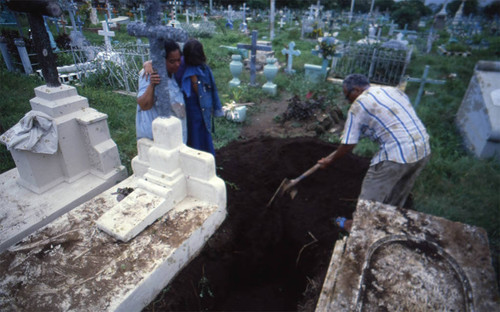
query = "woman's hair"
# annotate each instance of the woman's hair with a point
(193, 53)
(171, 46)
(355, 80)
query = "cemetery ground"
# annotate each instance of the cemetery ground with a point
(294, 239)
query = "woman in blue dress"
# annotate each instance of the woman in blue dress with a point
(201, 97)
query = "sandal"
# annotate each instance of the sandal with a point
(339, 222)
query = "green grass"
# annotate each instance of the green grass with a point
(454, 185)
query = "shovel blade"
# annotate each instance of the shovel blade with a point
(279, 192)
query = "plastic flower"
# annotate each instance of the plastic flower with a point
(327, 47)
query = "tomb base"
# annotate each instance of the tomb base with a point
(71, 265)
(314, 73)
(24, 211)
(397, 259)
(270, 88)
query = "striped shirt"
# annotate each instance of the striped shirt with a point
(386, 116)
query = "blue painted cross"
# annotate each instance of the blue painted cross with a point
(290, 52)
(423, 81)
(253, 47)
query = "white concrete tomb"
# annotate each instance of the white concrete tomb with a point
(44, 186)
(167, 171)
(71, 265)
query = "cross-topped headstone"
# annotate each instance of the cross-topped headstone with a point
(141, 10)
(36, 9)
(157, 34)
(107, 34)
(290, 52)
(281, 22)
(423, 81)
(253, 47)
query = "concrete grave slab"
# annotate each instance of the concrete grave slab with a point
(71, 265)
(398, 260)
(478, 117)
(44, 186)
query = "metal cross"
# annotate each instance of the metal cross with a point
(253, 47)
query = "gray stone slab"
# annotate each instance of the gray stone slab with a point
(398, 260)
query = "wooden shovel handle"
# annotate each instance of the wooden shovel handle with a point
(308, 172)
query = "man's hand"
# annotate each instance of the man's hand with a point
(325, 162)
(339, 153)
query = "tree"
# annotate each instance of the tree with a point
(470, 7)
(258, 4)
(492, 10)
(384, 5)
(409, 13)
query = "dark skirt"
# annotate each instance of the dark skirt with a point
(198, 135)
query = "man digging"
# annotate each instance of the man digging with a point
(386, 116)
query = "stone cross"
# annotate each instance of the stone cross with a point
(157, 34)
(229, 12)
(282, 22)
(423, 81)
(244, 10)
(106, 33)
(253, 47)
(141, 9)
(290, 52)
(35, 10)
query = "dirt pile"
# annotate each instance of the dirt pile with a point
(269, 259)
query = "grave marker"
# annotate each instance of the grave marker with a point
(107, 34)
(478, 117)
(253, 47)
(423, 81)
(290, 53)
(85, 160)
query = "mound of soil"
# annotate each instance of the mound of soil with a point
(269, 258)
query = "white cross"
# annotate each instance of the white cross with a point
(290, 52)
(282, 22)
(229, 12)
(106, 33)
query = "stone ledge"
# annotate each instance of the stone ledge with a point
(71, 265)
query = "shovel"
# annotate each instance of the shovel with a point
(289, 185)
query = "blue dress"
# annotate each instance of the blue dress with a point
(201, 107)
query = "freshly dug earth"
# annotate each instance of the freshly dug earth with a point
(269, 258)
